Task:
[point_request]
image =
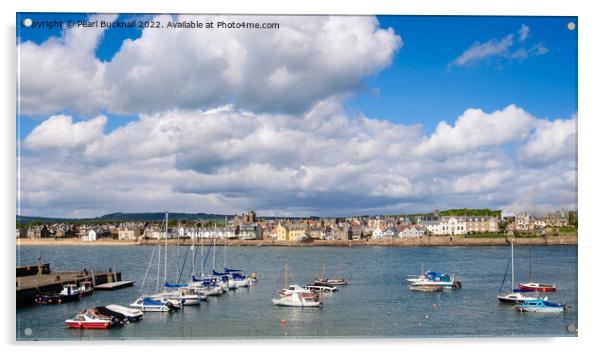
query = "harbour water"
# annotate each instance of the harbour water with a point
(376, 303)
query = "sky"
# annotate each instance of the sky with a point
(324, 116)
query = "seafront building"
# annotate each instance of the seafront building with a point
(250, 227)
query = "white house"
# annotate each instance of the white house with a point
(91, 236)
(377, 233)
(453, 225)
(445, 225)
(250, 231)
(412, 231)
(433, 226)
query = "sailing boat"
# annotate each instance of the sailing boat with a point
(327, 282)
(533, 286)
(176, 292)
(234, 278)
(514, 297)
(210, 286)
(148, 303)
(295, 296)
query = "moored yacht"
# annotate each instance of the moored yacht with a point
(150, 304)
(295, 295)
(515, 296)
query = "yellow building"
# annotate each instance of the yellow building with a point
(292, 232)
(282, 232)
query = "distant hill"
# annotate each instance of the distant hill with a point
(158, 216)
(27, 219)
(457, 212)
(471, 212)
(154, 216)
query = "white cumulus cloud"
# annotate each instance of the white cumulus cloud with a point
(552, 140)
(322, 162)
(62, 74)
(62, 133)
(475, 129)
(306, 60)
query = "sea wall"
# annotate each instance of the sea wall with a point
(568, 239)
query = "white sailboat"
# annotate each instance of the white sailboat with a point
(148, 303)
(176, 292)
(165, 300)
(295, 295)
(208, 286)
(513, 297)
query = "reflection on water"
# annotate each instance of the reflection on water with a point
(376, 303)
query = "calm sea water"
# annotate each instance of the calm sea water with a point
(376, 303)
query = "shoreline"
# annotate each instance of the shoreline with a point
(427, 241)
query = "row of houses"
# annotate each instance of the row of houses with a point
(460, 225)
(527, 222)
(249, 227)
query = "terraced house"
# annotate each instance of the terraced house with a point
(478, 224)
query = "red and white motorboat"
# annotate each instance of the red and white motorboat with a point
(536, 287)
(90, 319)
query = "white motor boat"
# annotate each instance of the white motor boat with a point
(70, 292)
(321, 289)
(437, 279)
(129, 313)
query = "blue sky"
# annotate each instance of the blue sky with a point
(428, 70)
(419, 87)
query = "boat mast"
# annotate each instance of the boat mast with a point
(202, 263)
(158, 267)
(178, 249)
(285, 275)
(225, 254)
(512, 253)
(192, 248)
(530, 264)
(214, 254)
(166, 226)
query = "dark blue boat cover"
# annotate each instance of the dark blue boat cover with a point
(147, 301)
(237, 276)
(170, 285)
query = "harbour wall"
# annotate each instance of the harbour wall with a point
(436, 241)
